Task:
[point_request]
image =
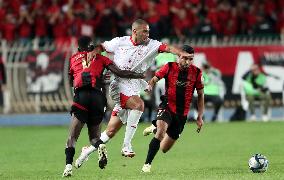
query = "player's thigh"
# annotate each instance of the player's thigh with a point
(113, 126)
(135, 102)
(75, 128)
(167, 143)
(97, 105)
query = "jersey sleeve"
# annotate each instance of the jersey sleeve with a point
(200, 81)
(163, 47)
(112, 45)
(163, 71)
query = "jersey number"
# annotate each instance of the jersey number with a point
(160, 112)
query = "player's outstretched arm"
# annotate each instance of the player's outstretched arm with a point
(125, 73)
(152, 83)
(177, 51)
(200, 105)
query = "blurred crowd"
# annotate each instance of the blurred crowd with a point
(62, 19)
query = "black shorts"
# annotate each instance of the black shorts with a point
(89, 106)
(175, 122)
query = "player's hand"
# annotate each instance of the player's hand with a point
(199, 123)
(90, 56)
(149, 88)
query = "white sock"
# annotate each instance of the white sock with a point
(104, 137)
(131, 126)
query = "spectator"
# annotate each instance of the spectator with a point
(176, 17)
(25, 24)
(204, 27)
(255, 89)
(9, 27)
(262, 26)
(214, 88)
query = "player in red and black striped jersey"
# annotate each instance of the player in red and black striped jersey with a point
(181, 78)
(89, 101)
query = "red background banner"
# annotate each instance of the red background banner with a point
(225, 58)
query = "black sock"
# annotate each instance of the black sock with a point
(154, 147)
(96, 145)
(69, 152)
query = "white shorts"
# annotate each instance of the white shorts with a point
(120, 90)
(127, 87)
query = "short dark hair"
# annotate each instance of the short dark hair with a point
(188, 49)
(138, 22)
(85, 44)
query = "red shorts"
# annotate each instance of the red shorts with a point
(123, 100)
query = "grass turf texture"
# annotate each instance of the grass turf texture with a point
(219, 151)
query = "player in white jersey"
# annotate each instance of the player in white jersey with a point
(136, 53)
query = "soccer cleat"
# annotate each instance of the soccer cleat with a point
(102, 155)
(67, 171)
(146, 168)
(82, 158)
(149, 130)
(127, 151)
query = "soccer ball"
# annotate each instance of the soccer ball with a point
(258, 163)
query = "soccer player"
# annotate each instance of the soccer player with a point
(137, 53)
(182, 78)
(89, 101)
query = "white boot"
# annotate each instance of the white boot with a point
(67, 171)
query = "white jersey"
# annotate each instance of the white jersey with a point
(128, 56)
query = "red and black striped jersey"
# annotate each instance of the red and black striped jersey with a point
(180, 85)
(92, 71)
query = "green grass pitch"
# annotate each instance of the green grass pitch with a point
(219, 151)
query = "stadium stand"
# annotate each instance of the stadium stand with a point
(24, 20)
(36, 44)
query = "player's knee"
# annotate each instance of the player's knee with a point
(139, 105)
(160, 135)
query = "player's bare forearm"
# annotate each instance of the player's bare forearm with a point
(174, 50)
(200, 102)
(152, 83)
(200, 105)
(125, 73)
